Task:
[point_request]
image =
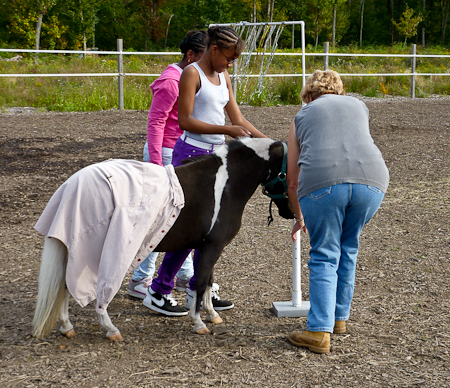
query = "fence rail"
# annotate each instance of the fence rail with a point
(120, 74)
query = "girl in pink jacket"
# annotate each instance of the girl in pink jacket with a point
(162, 133)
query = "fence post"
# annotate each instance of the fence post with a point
(413, 71)
(326, 50)
(120, 71)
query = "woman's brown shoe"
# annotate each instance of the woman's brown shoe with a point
(339, 327)
(317, 342)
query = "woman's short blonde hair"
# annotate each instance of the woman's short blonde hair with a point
(322, 82)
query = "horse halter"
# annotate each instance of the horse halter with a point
(281, 177)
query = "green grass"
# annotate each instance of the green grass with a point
(100, 93)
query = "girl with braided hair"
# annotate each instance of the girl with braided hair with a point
(205, 91)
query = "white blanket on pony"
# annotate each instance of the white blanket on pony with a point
(110, 216)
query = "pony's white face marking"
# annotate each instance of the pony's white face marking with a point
(220, 182)
(260, 146)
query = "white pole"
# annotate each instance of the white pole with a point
(297, 307)
(296, 272)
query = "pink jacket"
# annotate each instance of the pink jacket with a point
(162, 128)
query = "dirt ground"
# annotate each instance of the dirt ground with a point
(399, 329)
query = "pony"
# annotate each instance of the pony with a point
(216, 188)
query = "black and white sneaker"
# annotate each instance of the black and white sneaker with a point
(218, 304)
(164, 304)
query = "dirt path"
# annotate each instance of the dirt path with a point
(399, 330)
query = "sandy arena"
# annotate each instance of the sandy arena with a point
(399, 330)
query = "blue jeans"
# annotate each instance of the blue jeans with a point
(147, 268)
(335, 217)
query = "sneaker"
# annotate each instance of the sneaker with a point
(164, 304)
(182, 285)
(218, 304)
(138, 289)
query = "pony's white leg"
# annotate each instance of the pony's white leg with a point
(211, 314)
(113, 332)
(63, 317)
(52, 289)
(199, 326)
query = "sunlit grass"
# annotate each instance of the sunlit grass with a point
(101, 93)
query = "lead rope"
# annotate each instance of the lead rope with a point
(270, 218)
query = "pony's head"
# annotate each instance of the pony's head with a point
(273, 179)
(275, 185)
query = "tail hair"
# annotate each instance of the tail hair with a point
(51, 290)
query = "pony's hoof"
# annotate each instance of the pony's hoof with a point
(203, 330)
(216, 320)
(116, 337)
(69, 334)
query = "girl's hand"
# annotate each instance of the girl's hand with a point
(237, 131)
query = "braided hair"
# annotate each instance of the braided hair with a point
(225, 37)
(195, 41)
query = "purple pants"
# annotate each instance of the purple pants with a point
(172, 262)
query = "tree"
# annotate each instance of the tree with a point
(336, 4)
(407, 26)
(361, 9)
(444, 5)
(41, 7)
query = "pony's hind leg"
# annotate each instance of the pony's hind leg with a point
(113, 332)
(63, 317)
(211, 314)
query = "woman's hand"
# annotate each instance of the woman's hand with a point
(298, 225)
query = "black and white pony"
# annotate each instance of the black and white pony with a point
(216, 189)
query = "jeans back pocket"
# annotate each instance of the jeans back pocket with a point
(320, 193)
(374, 189)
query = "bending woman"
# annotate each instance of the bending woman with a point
(336, 182)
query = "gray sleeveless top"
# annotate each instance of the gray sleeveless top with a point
(209, 104)
(336, 146)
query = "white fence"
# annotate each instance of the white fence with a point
(120, 74)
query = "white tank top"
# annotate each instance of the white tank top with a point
(209, 104)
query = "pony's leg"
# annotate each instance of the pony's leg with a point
(113, 332)
(194, 315)
(63, 316)
(211, 314)
(208, 258)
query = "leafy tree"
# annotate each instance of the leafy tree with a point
(407, 26)
(27, 23)
(83, 18)
(444, 7)
(342, 18)
(41, 7)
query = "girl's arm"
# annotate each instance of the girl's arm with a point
(165, 95)
(293, 170)
(234, 113)
(189, 85)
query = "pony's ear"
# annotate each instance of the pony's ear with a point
(277, 149)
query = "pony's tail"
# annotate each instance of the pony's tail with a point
(51, 287)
